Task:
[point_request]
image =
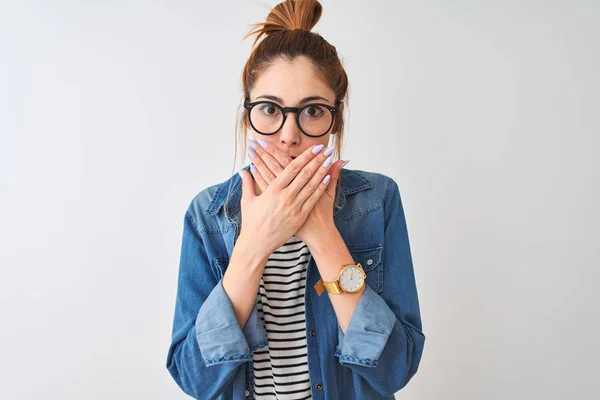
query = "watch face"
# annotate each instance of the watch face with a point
(351, 279)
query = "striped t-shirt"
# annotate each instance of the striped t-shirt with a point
(281, 369)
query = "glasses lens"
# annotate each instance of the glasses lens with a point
(266, 117)
(315, 120)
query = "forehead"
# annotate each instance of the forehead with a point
(291, 81)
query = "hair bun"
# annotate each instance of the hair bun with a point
(288, 15)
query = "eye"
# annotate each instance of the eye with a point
(269, 109)
(313, 111)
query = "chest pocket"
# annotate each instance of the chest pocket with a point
(370, 257)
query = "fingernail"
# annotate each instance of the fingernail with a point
(252, 143)
(327, 162)
(253, 168)
(240, 174)
(251, 153)
(262, 142)
(317, 149)
(329, 150)
(345, 162)
(326, 179)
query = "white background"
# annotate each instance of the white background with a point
(114, 114)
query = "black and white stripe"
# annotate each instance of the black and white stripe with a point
(281, 369)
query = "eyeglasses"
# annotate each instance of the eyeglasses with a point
(314, 119)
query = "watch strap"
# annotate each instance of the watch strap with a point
(331, 287)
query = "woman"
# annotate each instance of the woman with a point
(295, 278)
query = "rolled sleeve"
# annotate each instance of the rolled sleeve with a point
(254, 331)
(218, 332)
(368, 331)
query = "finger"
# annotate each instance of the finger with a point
(247, 185)
(310, 176)
(297, 170)
(258, 178)
(259, 163)
(267, 159)
(314, 198)
(335, 172)
(320, 170)
(282, 158)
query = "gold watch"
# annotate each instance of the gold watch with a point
(350, 280)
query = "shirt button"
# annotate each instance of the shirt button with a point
(313, 333)
(247, 393)
(370, 261)
(229, 210)
(319, 386)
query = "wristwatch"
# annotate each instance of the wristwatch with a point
(350, 280)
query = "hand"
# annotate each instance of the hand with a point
(279, 212)
(269, 164)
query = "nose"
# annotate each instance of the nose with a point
(290, 132)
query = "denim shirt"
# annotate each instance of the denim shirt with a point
(211, 357)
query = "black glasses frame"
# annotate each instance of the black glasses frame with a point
(297, 110)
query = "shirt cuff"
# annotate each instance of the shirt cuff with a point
(218, 332)
(368, 331)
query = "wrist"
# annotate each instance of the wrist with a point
(324, 242)
(254, 257)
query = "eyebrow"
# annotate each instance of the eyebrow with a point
(303, 101)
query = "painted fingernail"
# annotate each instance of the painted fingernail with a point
(252, 143)
(326, 179)
(344, 164)
(329, 150)
(327, 162)
(252, 168)
(317, 149)
(240, 174)
(251, 153)
(262, 142)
